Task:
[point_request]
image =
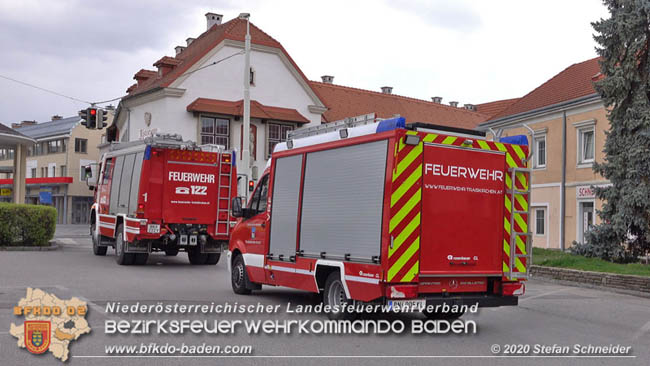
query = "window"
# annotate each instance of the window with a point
(540, 221)
(540, 152)
(55, 146)
(277, 133)
(53, 170)
(107, 171)
(586, 146)
(64, 170)
(43, 172)
(33, 173)
(80, 145)
(258, 203)
(215, 131)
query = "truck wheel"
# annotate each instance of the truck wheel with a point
(141, 258)
(97, 249)
(171, 252)
(239, 277)
(334, 296)
(213, 258)
(195, 256)
(123, 259)
(443, 316)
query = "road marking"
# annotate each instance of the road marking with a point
(644, 329)
(544, 294)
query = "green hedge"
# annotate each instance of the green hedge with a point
(26, 225)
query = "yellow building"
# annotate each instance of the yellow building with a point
(569, 122)
(54, 174)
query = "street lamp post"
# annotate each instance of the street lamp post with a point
(247, 102)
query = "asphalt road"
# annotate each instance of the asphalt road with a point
(548, 314)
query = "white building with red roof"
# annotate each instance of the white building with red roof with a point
(198, 93)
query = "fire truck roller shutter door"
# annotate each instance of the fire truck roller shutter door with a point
(135, 182)
(343, 200)
(284, 211)
(125, 184)
(115, 185)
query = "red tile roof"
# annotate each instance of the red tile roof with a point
(235, 30)
(493, 108)
(574, 82)
(236, 108)
(345, 102)
(166, 60)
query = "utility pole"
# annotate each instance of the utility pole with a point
(245, 158)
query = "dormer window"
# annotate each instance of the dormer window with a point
(251, 76)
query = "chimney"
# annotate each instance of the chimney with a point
(189, 40)
(179, 49)
(387, 89)
(436, 100)
(327, 79)
(454, 104)
(23, 124)
(213, 19)
(56, 117)
(470, 107)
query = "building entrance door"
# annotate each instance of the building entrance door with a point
(585, 219)
(81, 209)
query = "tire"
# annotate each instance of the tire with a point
(171, 252)
(443, 316)
(334, 296)
(141, 259)
(195, 256)
(213, 258)
(239, 277)
(123, 259)
(97, 249)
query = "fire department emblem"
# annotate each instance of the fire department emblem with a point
(453, 284)
(37, 335)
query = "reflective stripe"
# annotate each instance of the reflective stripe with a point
(411, 203)
(408, 230)
(406, 185)
(403, 259)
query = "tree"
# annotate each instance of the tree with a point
(623, 39)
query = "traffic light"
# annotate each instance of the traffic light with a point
(102, 115)
(92, 118)
(251, 185)
(83, 114)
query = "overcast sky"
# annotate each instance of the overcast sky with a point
(466, 51)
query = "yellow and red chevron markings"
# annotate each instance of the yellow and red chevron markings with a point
(406, 197)
(405, 209)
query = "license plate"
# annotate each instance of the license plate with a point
(411, 305)
(153, 228)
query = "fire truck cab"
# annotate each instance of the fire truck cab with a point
(381, 213)
(163, 194)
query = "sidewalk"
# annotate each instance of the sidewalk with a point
(72, 231)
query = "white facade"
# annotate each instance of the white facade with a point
(276, 83)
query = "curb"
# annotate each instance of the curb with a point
(626, 284)
(53, 246)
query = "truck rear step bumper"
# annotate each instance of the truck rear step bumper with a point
(485, 301)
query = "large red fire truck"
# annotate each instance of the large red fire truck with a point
(386, 214)
(163, 194)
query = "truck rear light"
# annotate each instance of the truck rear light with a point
(139, 212)
(513, 289)
(402, 291)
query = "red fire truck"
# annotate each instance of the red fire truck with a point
(386, 214)
(163, 194)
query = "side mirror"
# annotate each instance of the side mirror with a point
(91, 180)
(236, 207)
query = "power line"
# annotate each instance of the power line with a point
(118, 98)
(212, 63)
(45, 90)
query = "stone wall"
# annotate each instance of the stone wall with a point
(617, 281)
